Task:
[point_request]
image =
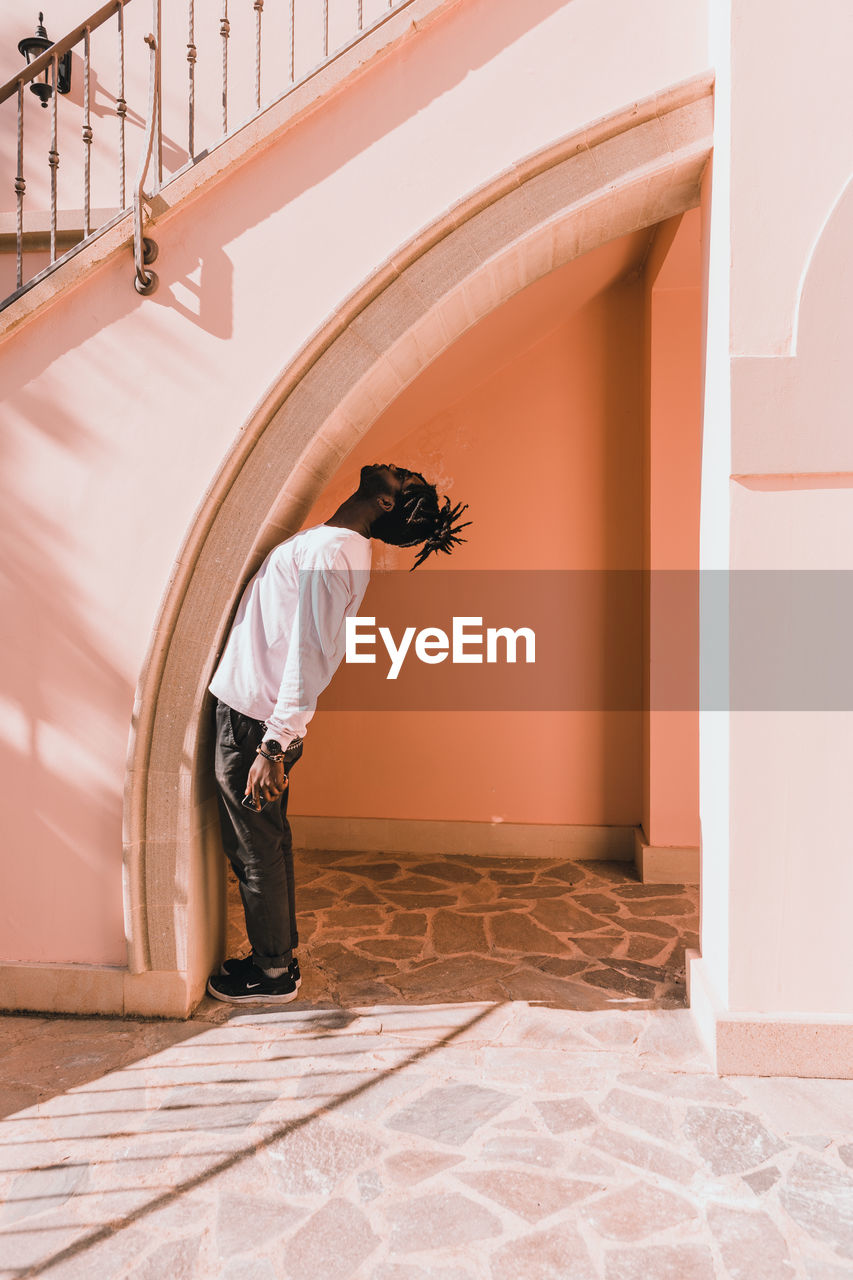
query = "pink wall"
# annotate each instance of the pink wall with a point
(777, 883)
(476, 39)
(118, 411)
(524, 419)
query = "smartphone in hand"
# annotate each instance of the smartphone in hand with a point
(248, 802)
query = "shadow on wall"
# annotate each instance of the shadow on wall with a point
(195, 264)
(622, 467)
(391, 94)
(65, 713)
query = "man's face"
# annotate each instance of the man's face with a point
(382, 477)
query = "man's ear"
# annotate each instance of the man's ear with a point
(386, 501)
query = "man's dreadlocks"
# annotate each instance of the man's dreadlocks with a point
(419, 517)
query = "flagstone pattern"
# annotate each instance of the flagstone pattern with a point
(446, 1126)
(574, 935)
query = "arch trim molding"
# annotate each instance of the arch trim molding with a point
(630, 170)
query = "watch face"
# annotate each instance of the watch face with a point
(272, 746)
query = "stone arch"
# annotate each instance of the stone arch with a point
(627, 171)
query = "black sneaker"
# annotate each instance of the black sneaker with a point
(234, 968)
(252, 986)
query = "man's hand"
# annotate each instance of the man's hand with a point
(266, 780)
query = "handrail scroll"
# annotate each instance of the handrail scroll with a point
(144, 248)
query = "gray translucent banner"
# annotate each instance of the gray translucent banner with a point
(620, 640)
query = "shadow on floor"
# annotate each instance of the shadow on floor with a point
(381, 930)
(441, 1136)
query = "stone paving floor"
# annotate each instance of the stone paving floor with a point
(489, 1074)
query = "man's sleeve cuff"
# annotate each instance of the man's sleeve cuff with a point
(283, 736)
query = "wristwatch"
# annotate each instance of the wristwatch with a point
(274, 751)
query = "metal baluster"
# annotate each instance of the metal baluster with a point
(360, 14)
(53, 161)
(192, 54)
(87, 139)
(121, 109)
(158, 28)
(20, 187)
(224, 31)
(325, 28)
(292, 39)
(145, 249)
(259, 8)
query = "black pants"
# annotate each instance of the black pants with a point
(259, 845)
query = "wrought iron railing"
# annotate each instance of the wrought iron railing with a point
(46, 69)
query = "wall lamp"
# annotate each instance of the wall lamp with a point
(32, 47)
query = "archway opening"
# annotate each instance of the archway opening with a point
(489, 852)
(632, 170)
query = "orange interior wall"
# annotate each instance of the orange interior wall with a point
(673, 357)
(535, 419)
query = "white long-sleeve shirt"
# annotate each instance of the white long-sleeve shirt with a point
(289, 633)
